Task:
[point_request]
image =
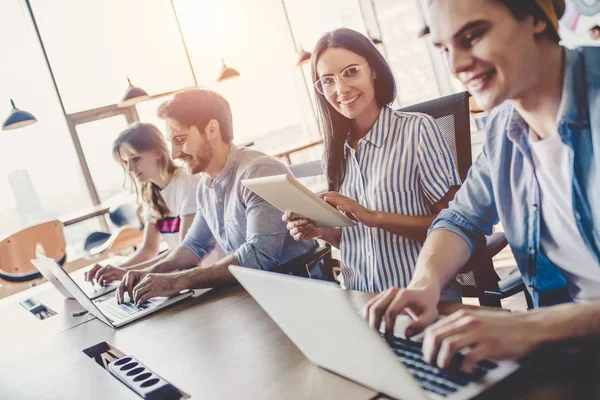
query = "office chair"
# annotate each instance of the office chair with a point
(18, 249)
(478, 277)
(123, 216)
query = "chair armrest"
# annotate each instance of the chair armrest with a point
(494, 244)
(297, 266)
(506, 293)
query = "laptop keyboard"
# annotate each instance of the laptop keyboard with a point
(442, 382)
(118, 312)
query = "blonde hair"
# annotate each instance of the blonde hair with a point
(142, 137)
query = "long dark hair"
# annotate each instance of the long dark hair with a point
(335, 126)
(141, 137)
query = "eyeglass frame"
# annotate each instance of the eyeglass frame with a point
(335, 77)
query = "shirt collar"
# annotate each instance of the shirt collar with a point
(224, 176)
(379, 131)
(573, 106)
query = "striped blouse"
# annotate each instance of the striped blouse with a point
(403, 166)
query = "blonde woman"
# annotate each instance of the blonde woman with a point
(166, 192)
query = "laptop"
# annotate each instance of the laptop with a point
(105, 308)
(320, 319)
(92, 291)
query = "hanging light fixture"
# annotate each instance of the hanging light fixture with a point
(17, 118)
(376, 41)
(423, 32)
(227, 72)
(303, 57)
(133, 95)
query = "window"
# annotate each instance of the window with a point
(268, 100)
(147, 112)
(96, 140)
(407, 55)
(94, 46)
(40, 178)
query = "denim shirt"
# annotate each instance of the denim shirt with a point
(502, 185)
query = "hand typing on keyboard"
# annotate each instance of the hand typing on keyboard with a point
(431, 378)
(142, 286)
(479, 335)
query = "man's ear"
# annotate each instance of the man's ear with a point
(212, 129)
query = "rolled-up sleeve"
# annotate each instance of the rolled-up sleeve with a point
(266, 233)
(473, 213)
(199, 239)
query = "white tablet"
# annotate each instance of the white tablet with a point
(289, 195)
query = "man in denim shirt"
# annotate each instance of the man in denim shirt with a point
(248, 228)
(539, 174)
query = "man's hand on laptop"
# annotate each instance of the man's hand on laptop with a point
(154, 285)
(104, 274)
(419, 304)
(130, 280)
(483, 334)
(479, 334)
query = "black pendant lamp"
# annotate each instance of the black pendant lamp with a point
(17, 118)
(303, 57)
(133, 95)
(227, 73)
(376, 41)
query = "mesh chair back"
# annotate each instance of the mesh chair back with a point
(451, 113)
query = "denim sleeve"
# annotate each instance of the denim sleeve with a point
(265, 231)
(472, 214)
(436, 166)
(199, 239)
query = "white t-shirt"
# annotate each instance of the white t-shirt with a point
(180, 197)
(560, 239)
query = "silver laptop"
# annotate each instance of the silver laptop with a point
(105, 308)
(320, 319)
(93, 291)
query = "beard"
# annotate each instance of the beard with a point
(200, 160)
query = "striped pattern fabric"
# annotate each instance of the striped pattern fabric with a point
(403, 166)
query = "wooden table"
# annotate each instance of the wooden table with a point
(218, 345)
(221, 345)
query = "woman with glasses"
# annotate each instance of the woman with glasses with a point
(391, 171)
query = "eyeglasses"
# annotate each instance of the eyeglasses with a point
(351, 75)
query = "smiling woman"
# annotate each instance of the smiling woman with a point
(166, 193)
(393, 170)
